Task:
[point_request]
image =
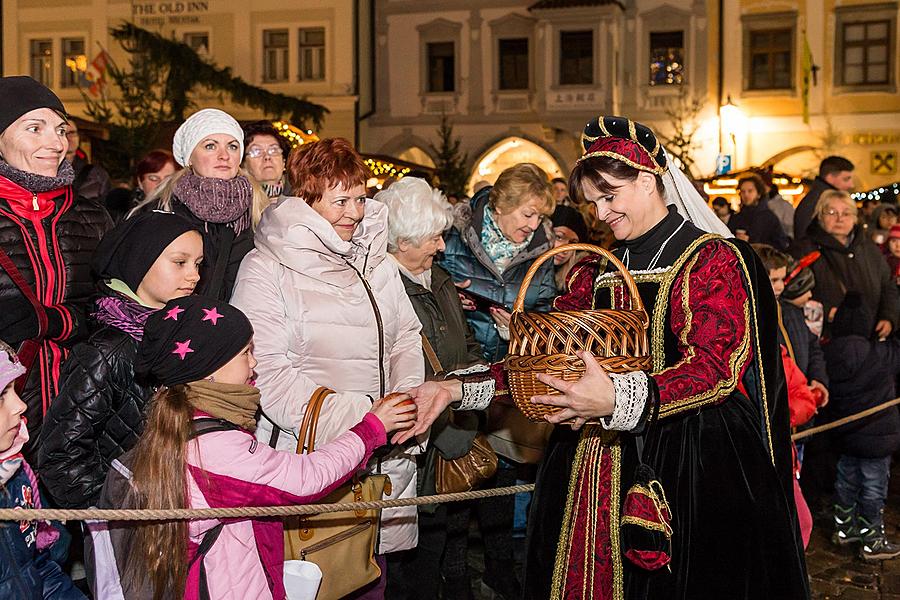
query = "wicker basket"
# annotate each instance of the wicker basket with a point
(547, 342)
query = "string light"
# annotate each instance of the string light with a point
(297, 137)
(383, 169)
(889, 193)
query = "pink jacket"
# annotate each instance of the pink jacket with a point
(231, 468)
(314, 325)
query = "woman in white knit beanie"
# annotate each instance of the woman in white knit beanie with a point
(214, 193)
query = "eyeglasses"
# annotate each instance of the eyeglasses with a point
(256, 151)
(843, 215)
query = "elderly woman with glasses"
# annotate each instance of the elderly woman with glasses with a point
(265, 157)
(850, 262)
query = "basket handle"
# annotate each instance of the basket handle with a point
(636, 302)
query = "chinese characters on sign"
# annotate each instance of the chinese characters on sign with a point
(567, 100)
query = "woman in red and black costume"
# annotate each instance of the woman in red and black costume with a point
(47, 237)
(711, 416)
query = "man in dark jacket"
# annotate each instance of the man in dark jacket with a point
(835, 173)
(863, 372)
(91, 181)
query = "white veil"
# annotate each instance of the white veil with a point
(690, 204)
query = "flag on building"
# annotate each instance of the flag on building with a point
(807, 66)
(96, 73)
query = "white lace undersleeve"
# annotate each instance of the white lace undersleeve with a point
(632, 392)
(478, 387)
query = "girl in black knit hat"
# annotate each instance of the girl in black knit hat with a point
(99, 413)
(198, 350)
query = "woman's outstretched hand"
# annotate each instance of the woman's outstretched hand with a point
(395, 411)
(432, 398)
(591, 397)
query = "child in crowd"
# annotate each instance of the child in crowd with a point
(892, 251)
(99, 413)
(803, 398)
(32, 551)
(199, 350)
(863, 371)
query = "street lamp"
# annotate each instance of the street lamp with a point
(733, 122)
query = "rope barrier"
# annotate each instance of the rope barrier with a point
(848, 419)
(63, 514)
(105, 514)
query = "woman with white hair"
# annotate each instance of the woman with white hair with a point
(215, 194)
(418, 216)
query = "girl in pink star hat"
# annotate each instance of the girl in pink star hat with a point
(198, 451)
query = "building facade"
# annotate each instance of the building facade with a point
(303, 49)
(519, 78)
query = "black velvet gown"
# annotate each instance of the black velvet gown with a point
(720, 445)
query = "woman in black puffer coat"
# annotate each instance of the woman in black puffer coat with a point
(99, 413)
(850, 262)
(48, 236)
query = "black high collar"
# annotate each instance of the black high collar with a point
(643, 248)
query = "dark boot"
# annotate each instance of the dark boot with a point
(501, 577)
(846, 530)
(875, 545)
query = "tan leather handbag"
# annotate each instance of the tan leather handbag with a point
(469, 470)
(342, 544)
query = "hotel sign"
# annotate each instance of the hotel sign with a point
(169, 12)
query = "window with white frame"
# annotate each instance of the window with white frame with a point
(865, 52)
(74, 61)
(42, 61)
(865, 48)
(198, 42)
(275, 55)
(312, 54)
(576, 57)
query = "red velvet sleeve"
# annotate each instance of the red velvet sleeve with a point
(710, 316)
(580, 294)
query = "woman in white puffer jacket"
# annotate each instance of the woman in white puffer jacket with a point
(328, 309)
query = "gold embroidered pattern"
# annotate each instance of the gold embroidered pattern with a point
(656, 169)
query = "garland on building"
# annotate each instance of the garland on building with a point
(193, 71)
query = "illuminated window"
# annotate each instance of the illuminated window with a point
(667, 58)
(312, 54)
(275, 55)
(74, 61)
(576, 57)
(42, 61)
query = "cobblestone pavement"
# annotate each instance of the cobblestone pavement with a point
(837, 573)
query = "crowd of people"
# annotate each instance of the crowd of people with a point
(162, 347)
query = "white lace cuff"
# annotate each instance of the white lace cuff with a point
(632, 392)
(477, 387)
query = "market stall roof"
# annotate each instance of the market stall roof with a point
(789, 186)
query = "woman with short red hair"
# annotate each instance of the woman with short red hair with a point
(328, 309)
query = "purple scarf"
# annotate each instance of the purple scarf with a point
(123, 314)
(217, 200)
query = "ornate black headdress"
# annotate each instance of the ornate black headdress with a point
(626, 140)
